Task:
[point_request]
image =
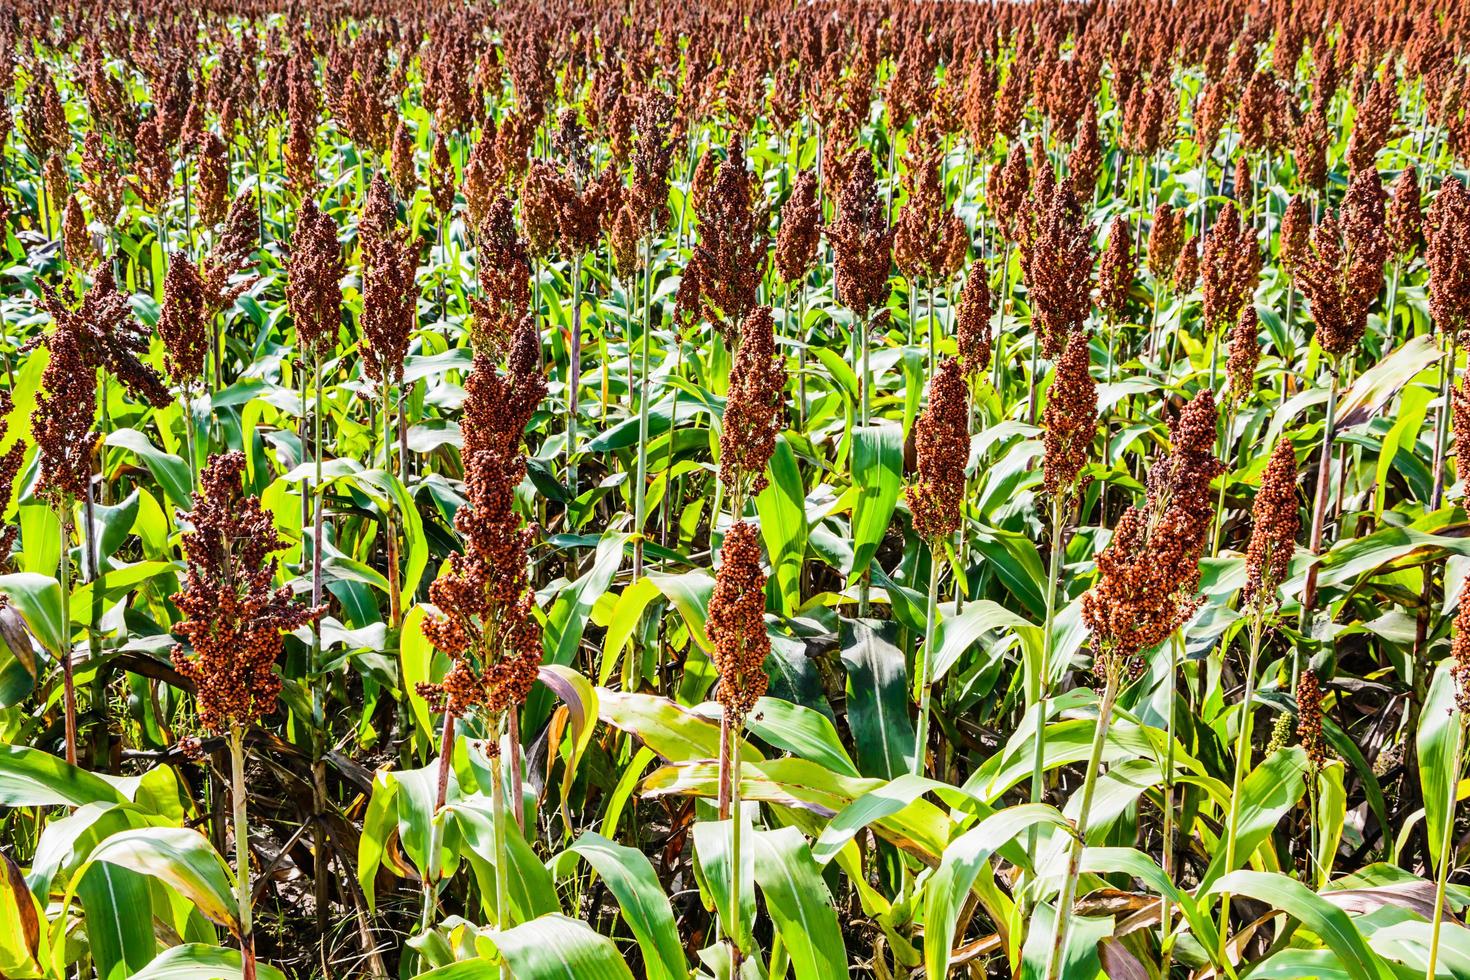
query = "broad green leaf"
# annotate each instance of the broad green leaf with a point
(634, 883)
(782, 509)
(171, 472)
(38, 598)
(799, 903)
(1316, 913)
(179, 857)
(674, 732)
(582, 708)
(712, 850)
(877, 472)
(890, 798)
(118, 906)
(20, 924)
(965, 859)
(1376, 386)
(802, 731)
(1438, 741)
(956, 634)
(1271, 790)
(877, 698)
(30, 777)
(920, 828)
(196, 961)
(554, 947)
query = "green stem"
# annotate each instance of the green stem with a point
(242, 848)
(502, 850)
(867, 409)
(1319, 507)
(639, 486)
(574, 372)
(926, 671)
(1036, 683)
(735, 842)
(1074, 860)
(1176, 651)
(1445, 843)
(68, 684)
(1242, 764)
(1441, 422)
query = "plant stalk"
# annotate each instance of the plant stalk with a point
(926, 672)
(1074, 860)
(242, 849)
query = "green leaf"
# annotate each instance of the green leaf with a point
(1438, 742)
(963, 863)
(1316, 913)
(30, 777)
(712, 851)
(782, 509)
(674, 732)
(196, 961)
(800, 730)
(891, 798)
(532, 891)
(119, 910)
(555, 947)
(877, 473)
(582, 708)
(40, 536)
(627, 611)
(568, 617)
(20, 924)
(920, 828)
(178, 856)
(956, 634)
(171, 472)
(634, 883)
(38, 598)
(1376, 386)
(799, 903)
(690, 593)
(416, 660)
(877, 698)
(1272, 788)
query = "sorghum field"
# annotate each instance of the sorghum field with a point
(756, 488)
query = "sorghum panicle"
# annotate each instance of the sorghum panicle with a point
(1342, 272)
(314, 278)
(233, 618)
(1245, 354)
(861, 240)
(736, 624)
(390, 256)
(182, 324)
(1116, 268)
(1058, 268)
(753, 407)
(800, 231)
(1230, 267)
(1448, 257)
(1275, 523)
(942, 441)
(485, 620)
(972, 324)
(1460, 652)
(1069, 419)
(1405, 217)
(1166, 240)
(1149, 572)
(731, 253)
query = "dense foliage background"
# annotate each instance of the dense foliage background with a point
(810, 490)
